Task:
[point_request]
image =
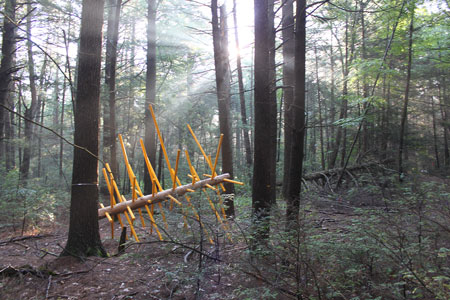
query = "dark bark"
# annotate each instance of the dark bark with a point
(6, 67)
(84, 237)
(61, 128)
(41, 121)
(112, 36)
(404, 118)
(298, 117)
(435, 143)
(288, 82)
(248, 150)
(150, 92)
(273, 94)
(263, 183)
(9, 136)
(221, 62)
(31, 110)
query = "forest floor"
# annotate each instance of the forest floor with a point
(30, 266)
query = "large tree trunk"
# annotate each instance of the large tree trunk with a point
(298, 117)
(150, 91)
(84, 237)
(6, 67)
(401, 147)
(288, 82)
(31, 110)
(221, 62)
(263, 184)
(273, 94)
(112, 36)
(248, 150)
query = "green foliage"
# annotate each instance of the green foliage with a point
(32, 205)
(389, 249)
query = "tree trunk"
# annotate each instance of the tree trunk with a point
(332, 101)
(248, 150)
(365, 131)
(342, 132)
(298, 117)
(6, 67)
(263, 183)
(9, 136)
(221, 62)
(288, 82)
(401, 147)
(84, 237)
(112, 36)
(273, 94)
(150, 91)
(31, 110)
(435, 143)
(43, 85)
(319, 101)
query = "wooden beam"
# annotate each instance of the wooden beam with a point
(159, 197)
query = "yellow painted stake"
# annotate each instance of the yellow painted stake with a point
(208, 160)
(194, 176)
(155, 179)
(211, 187)
(134, 186)
(174, 179)
(111, 192)
(175, 200)
(111, 221)
(217, 156)
(119, 196)
(191, 168)
(225, 228)
(221, 206)
(160, 137)
(200, 147)
(153, 223)
(226, 179)
(166, 157)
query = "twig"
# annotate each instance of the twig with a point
(21, 238)
(48, 286)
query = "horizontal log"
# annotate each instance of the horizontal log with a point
(159, 197)
(331, 172)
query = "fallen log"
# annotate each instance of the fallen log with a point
(331, 172)
(159, 197)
